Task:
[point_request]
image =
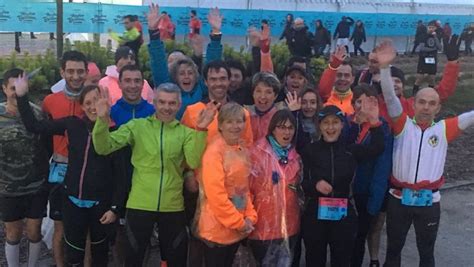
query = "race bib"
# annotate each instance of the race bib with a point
(332, 209)
(417, 198)
(430, 60)
(57, 172)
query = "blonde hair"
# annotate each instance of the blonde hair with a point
(230, 111)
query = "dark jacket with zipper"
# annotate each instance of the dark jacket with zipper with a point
(336, 163)
(89, 176)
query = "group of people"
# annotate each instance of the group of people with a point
(218, 159)
(302, 42)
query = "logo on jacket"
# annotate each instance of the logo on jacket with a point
(433, 140)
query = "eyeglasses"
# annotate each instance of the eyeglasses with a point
(283, 127)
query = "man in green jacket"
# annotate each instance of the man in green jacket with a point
(161, 148)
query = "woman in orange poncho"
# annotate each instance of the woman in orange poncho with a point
(225, 212)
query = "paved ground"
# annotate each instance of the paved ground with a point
(454, 246)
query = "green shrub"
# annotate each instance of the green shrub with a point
(104, 57)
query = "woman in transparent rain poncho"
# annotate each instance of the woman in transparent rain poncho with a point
(225, 214)
(275, 188)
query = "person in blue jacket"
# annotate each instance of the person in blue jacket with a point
(130, 106)
(370, 183)
(184, 72)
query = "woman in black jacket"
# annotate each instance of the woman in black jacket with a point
(358, 37)
(330, 164)
(93, 183)
(322, 38)
(288, 26)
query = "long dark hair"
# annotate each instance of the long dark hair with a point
(315, 119)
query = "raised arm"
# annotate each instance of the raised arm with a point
(214, 48)
(266, 63)
(32, 124)
(156, 47)
(104, 141)
(326, 83)
(385, 54)
(447, 85)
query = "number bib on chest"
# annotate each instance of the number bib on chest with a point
(57, 172)
(332, 209)
(430, 60)
(417, 198)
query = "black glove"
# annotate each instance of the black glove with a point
(452, 48)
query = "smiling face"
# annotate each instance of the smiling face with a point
(89, 104)
(218, 83)
(263, 97)
(295, 82)
(186, 77)
(166, 105)
(74, 73)
(331, 128)
(232, 128)
(344, 79)
(309, 104)
(283, 133)
(427, 105)
(131, 84)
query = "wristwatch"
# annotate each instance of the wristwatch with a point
(114, 209)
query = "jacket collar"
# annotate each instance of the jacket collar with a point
(112, 72)
(127, 106)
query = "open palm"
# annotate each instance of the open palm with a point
(153, 16)
(215, 19)
(385, 53)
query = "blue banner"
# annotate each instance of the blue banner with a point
(98, 18)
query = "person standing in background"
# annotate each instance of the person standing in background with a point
(358, 37)
(342, 32)
(195, 25)
(288, 26)
(322, 38)
(447, 32)
(419, 35)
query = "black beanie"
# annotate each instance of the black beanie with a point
(396, 72)
(123, 52)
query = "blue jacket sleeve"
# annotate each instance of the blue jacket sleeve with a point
(214, 49)
(158, 64)
(381, 174)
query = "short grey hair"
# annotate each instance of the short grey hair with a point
(185, 61)
(267, 78)
(170, 88)
(230, 111)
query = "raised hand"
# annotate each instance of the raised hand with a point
(254, 36)
(452, 49)
(207, 115)
(215, 20)
(385, 53)
(293, 101)
(103, 105)
(338, 56)
(153, 16)
(21, 85)
(265, 36)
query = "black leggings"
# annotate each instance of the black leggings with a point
(365, 222)
(339, 235)
(399, 220)
(277, 252)
(172, 236)
(220, 256)
(77, 222)
(357, 48)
